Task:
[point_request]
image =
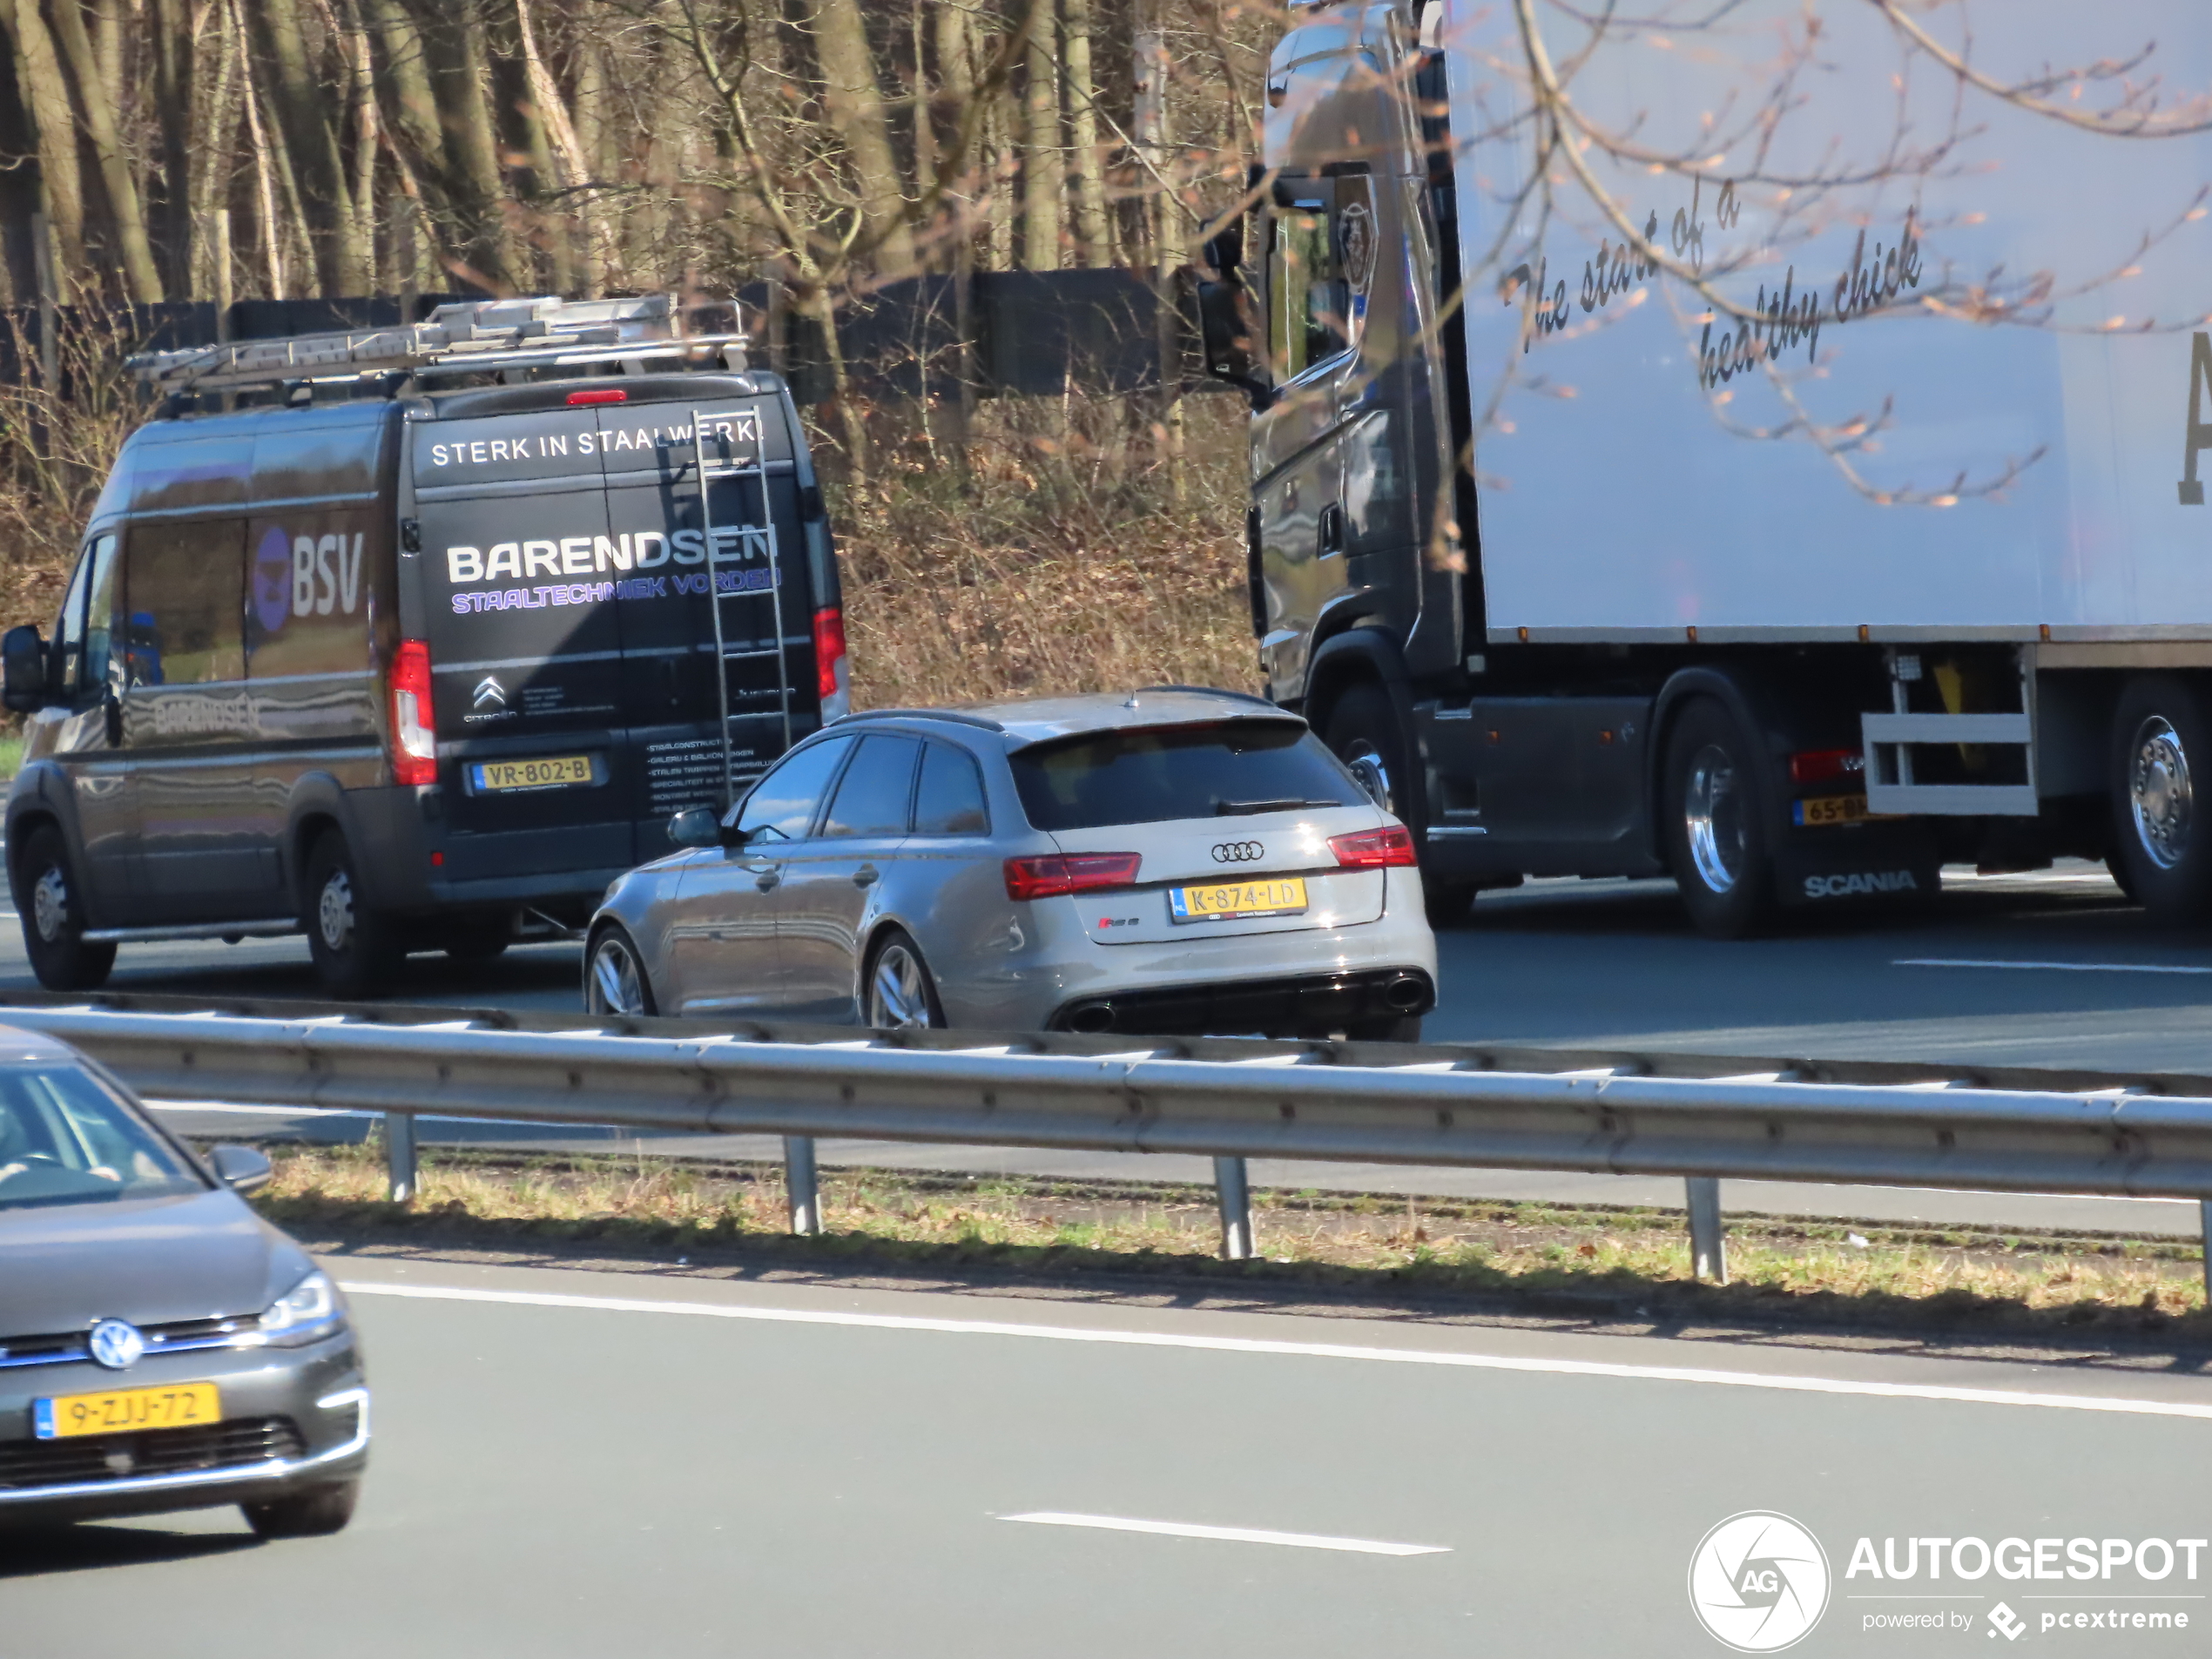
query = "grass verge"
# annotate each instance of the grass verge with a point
(1538, 1259)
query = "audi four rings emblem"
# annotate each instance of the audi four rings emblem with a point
(1238, 852)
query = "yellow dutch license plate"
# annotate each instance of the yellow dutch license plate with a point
(122, 1411)
(1830, 809)
(560, 772)
(1284, 897)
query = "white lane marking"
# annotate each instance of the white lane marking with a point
(1234, 1534)
(2055, 967)
(1310, 1349)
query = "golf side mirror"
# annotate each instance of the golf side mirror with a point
(241, 1168)
(22, 670)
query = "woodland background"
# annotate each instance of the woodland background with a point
(154, 150)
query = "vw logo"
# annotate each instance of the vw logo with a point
(1238, 852)
(117, 1344)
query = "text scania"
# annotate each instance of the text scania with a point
(2082, 1559)
(1838, 886)
(587, 555)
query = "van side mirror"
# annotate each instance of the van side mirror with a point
(22, 670)
(695, 826)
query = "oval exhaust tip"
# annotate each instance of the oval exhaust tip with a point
(1405, 994)
(1093, 1019)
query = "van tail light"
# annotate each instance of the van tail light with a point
(606, 394)
(1059, 873)
(1825, 765)
(831, 684)
(415, 739)
(1373, 849)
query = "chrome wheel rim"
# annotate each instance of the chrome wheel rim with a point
(899, 992)
(1366, 764)
(50, 904)
(2158, 792)
(617, 984)
(334, 911)
(1713, 809)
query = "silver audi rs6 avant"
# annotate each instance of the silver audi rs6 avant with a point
(1169, 861)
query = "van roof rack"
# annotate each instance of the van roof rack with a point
(467, 336)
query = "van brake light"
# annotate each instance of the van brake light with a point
(415, 739)
(1061, 872)
(606, 394)
(832, 682)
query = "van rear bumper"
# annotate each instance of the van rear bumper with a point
(419, 865)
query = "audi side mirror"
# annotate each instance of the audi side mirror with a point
(695, 826)
(22, 670)
(241, 1168)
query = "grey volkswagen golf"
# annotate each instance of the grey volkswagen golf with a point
(161, 1346)
(1171, 861)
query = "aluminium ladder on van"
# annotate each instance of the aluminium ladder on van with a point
(762, 536)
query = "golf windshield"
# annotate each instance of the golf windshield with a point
(1179, 772)
(65, 1139)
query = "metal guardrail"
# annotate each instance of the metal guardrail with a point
(1233, 1100)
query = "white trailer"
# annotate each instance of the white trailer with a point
(1759, 439)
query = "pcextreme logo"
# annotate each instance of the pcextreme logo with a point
(1759, 1581)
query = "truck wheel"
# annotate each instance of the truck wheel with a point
(356, 949)
(1718, 832)
(53, 908)
(1363, 733)
(2162, 857)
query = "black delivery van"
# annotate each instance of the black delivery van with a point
(421, 659)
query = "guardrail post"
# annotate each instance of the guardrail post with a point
(399, 1156)
(1708, 1254)
(1235, 1194)
(800, 1184)
(2204, 1211)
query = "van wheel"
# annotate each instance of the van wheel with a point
(2162, 745)
(1719, 835)
(898, 995)
(614, 976)
(356, 948)
(53, 908)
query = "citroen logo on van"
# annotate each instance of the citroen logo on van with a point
(1238, 852)
(490, 694)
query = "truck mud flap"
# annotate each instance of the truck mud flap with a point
(1853, 865)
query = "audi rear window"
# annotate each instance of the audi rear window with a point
(1236, 768)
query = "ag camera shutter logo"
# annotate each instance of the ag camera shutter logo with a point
(1759, 1581)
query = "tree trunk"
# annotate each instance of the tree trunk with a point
(208, 195)
(1093, 232)
(1043, 170)
(856, 110)
(460, 78)
(265, 190)
(175, 86)
(103, 126)
(591, 92)
(303, 108)
(38, 71)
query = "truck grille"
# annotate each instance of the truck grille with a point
(166, 1451)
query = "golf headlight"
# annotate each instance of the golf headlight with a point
(302, 1312)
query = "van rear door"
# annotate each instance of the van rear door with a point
(526, 638)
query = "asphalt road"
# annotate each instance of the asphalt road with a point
(575, 1464)
(2050, 968)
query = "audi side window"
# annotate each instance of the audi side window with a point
(872, 797)
(781, 805)
(950, 800)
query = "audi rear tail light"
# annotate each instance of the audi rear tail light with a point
(1825, 766)
(831, 684)
(1058, 872)
(415, 739)
(1374, 849)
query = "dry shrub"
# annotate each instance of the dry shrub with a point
(1059, 559)
(57, 443)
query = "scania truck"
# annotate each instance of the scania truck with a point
(1757, 443)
